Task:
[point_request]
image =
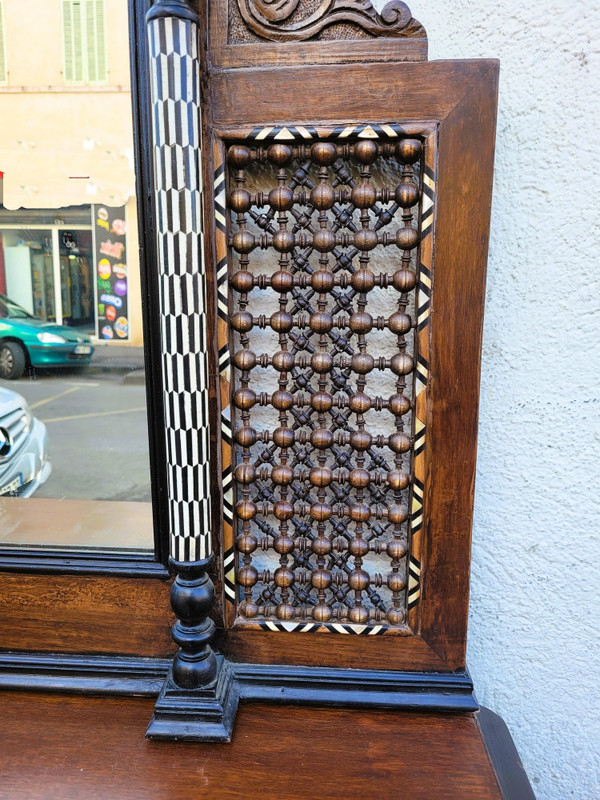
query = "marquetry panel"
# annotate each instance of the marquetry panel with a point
(324, 302)
(182, 289)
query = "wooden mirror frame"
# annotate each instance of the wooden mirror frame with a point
(51, 559)
(102, 623)
(451, 106)
(100, 620)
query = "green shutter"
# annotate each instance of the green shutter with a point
(84, 41)
(67, 31)
(72, 41)
(3, 76)
(78, 75)
(95, 41)
(101, 39)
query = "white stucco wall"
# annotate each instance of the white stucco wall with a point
(533, 637)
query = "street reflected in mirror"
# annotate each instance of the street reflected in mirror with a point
(74, 454)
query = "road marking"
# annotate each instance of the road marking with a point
(53, 397)
(94, 414)
(87, 383)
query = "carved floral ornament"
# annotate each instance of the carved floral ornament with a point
(267, 18)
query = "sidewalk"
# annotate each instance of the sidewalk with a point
(129, 361)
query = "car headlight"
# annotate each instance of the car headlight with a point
(51, 338)
(27, 419)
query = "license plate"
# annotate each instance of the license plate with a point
(12, 486)
(83, 350)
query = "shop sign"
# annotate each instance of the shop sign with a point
(110, 235)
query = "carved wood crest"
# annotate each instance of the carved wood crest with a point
(267, 19)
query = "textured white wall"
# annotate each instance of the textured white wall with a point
(533, 636)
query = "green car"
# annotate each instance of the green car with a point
(28, 341)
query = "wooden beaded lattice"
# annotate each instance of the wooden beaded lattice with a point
(322, 461)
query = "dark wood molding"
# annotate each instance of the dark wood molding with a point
(366, 688)
(358, 688)
(69, 672)
(42, 561)
(510, 773)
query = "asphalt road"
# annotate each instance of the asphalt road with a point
(97, 433)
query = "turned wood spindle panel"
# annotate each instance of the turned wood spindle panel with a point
(328, 309)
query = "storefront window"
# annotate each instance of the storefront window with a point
(76, 279)
(26, 270)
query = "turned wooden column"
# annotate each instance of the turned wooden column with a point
(177, 145)
(192, 597)
(193, 703)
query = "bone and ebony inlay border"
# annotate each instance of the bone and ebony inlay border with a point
(182, 282)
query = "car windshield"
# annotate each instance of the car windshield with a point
(12, 310)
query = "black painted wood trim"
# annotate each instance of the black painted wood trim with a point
(352, 687)
(111, 675)
(206, 714)
(131, 564)
(253, 682)
(510, 773)
(181, 9)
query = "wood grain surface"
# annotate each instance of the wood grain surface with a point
(226, 51)
(72, 614)
(459, 98)
(60, 747)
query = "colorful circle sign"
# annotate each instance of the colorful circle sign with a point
(107, 332)
(104, 269)
(122, 327)
(110, 313)
(119, 226)
(120, 288)
(112, 299)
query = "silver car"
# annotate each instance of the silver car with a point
(24, 464)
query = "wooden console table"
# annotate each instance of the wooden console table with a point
(58, 747)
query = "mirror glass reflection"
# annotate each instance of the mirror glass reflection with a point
(74, 456)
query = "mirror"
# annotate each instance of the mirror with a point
(74, 453)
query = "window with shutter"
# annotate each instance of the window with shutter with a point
(96, 44)
(84, 41)
(3, 73)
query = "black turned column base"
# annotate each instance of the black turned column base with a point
(205, 714)
(199, 699)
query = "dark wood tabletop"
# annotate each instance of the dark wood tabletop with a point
(58, 747)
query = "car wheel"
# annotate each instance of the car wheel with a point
(12, 360)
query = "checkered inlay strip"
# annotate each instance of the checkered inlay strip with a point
(182, 281)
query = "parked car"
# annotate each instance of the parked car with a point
(24, 464)
(28, 341)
